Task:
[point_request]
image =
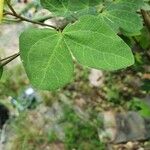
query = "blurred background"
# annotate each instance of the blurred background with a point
(98, 111)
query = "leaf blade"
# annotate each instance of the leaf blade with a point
(70, 7)
(123, 15)
(48, 63)
(91, 45)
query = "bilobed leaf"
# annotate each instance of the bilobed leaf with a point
(123, 15)
(95, 45)
(47, 61)
(46, 54)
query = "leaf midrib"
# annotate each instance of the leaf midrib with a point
(49, 62)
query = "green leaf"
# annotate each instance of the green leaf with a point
(70, 7)
(46, 54)
(95, 45)
(145, 109)
(144, 38)
(141, 106)
(132, 4)
(123, 15)
(55, 6)
(46, 58)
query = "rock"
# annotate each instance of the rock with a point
(96, 78)
(129, 145)
(130, 126)
(58, 22)
(141, 148)
(124, 127)
(110, 126)
(80, 102)
(56, 146)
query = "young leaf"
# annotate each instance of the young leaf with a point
(123, 15)
(95, 45)
(47, 60)
(46, 53)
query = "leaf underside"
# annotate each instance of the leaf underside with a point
(47, 54)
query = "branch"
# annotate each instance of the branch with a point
(137, 43)
(146, 18)
(14, 13)
(8, 59)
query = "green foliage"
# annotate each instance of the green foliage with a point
(133, 4)
(144, 38)
(15, 79)
(79, 134)
(139, 105)
(47, 54)
(27, 135)
(89, 43)
(89, 36)
(82, 136)
(113, 95)
(122, 15)
(146, 85)
(70, 7)
(119, 14)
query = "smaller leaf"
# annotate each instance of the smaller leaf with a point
(122, 15)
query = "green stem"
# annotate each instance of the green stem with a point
(146, 18)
